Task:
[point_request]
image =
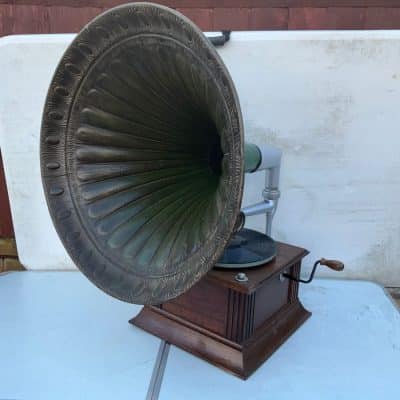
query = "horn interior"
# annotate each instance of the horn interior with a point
(148, 151)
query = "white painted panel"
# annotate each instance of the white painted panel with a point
(27, 64)
(328, 99)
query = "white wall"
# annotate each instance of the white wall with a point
(329, 100)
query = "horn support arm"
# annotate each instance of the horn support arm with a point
(267, 158)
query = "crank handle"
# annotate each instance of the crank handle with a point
(336, 265)
(332, 264)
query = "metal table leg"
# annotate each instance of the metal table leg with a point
(158, 371)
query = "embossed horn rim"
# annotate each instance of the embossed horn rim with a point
(97, 173)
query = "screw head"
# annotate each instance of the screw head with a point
(241, 277)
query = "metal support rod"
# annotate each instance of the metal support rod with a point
(270, 162)
(268, 224)
(270, 195)
(158, 371)
(259, 208)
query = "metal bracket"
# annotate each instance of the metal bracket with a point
(269, 205)
(220, 40)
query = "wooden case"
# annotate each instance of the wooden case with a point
(233, 325)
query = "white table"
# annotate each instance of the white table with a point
(62, 338)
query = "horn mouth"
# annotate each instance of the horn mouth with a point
(148, 138)
(147, 153)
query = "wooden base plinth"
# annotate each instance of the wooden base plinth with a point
(233, 325)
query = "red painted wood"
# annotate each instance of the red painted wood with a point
(217, 3)
(26, 19)
(6, 227)
(308, 18)
(382, 18)
(70, 19)
(327, 18)
(231, 18)
(346, 18)
(5, 20)
(202, 17)
(43, 16)
(268, 18)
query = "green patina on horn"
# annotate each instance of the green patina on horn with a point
(142, 153)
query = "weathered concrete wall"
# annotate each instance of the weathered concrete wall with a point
(328, 99)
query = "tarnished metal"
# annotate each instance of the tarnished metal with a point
(142, 153)
(252, 157)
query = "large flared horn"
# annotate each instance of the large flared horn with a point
(142, 153)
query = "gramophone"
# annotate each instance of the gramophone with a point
(143, 161)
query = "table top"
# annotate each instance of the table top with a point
(62, 338)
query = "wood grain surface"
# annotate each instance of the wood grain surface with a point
(60, 16)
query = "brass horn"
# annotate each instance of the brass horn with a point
(142, 153)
